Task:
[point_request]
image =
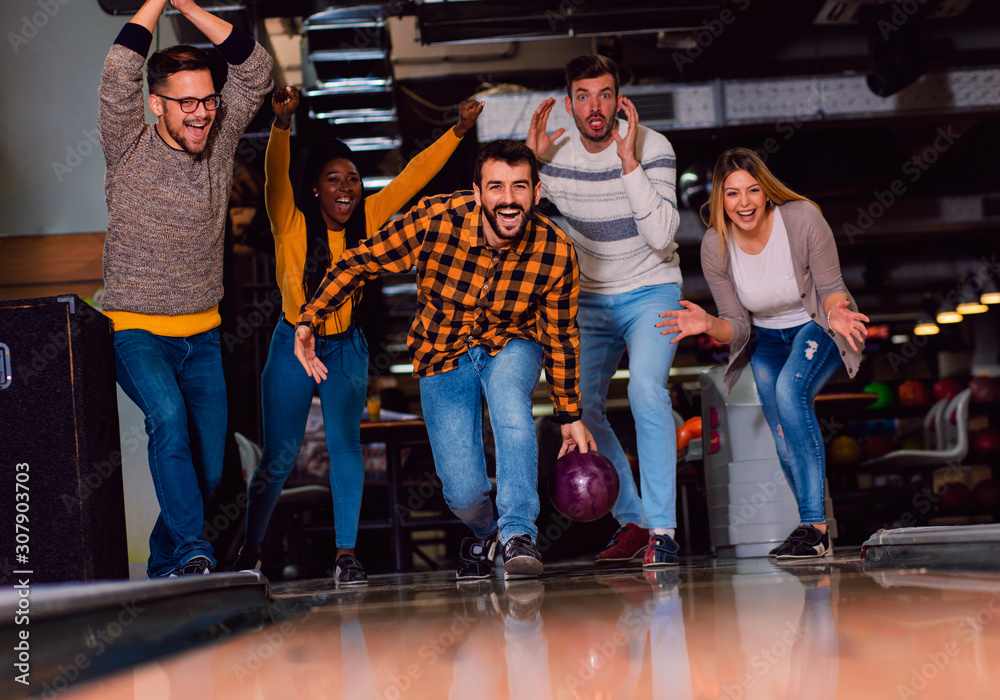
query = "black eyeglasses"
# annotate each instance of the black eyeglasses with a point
(190, 104)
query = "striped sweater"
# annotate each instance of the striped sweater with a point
(622, 226)
(166, 208)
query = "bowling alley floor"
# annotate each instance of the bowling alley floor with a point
(709, 628)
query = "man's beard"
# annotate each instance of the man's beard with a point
(491, 216)
(583, 126)
(184, 141)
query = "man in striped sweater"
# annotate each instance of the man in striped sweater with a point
(167, 187)
(614, 181)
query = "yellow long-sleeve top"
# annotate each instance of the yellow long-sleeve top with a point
(288, 223)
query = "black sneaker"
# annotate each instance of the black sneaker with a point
(520, 558)
(807, 542)
(194, 566)
(247, 559)
(475, 558)
(349, 572)
(782, 548)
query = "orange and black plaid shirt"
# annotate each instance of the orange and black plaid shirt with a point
(469, 294)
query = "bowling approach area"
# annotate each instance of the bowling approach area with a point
(914, 614)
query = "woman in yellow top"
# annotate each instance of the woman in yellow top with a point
(332, 215)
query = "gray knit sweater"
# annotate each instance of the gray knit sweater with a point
(166, 208)
(622, 226)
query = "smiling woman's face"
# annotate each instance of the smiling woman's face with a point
(744, 200)
(340, 190)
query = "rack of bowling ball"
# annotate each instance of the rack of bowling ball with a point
(893, 420)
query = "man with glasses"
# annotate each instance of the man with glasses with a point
(167, 187)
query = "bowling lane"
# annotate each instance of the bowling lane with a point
(743, 629)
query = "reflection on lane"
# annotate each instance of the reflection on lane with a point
(742, 630)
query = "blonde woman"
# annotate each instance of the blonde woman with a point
(771, 262)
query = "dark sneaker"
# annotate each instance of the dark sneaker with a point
(475, 557)
(782, 548)
(628, 542)
(661, 551)
(807, 542)
(247, 559)
(520, 558)
(349, 572)
(194, 566)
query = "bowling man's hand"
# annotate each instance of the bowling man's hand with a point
(305, 351)
(576, 437)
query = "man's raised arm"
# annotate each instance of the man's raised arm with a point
(213, 27)
(149, 14)
(123, 114)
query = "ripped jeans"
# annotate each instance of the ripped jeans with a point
(790, 366)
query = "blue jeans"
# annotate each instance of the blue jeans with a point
(453, 411)
(179, 386)
(287, 393)
(610, 324)
(790, 366)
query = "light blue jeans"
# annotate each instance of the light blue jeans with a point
(287, 393)
(179, 386)
(610, 324)
(790, 366)
(452, 403)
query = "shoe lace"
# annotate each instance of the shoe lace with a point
(518, 541)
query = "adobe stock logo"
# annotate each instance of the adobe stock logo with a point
(30, 26)
(91, 143)
(913, 169)
(707, 36)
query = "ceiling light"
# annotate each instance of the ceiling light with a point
(897, 57)
(990, 294)
(925, 325)
(967, 308)
(948, 314)
(969, 303)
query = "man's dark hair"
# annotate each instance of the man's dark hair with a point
(174, 59)
(589, 67)
(507, 151)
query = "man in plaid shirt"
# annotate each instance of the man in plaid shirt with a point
(497, 289)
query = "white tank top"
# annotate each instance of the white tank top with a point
(765, 282)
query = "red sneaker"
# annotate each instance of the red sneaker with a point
(628, 542)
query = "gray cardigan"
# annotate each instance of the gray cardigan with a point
(817, 274)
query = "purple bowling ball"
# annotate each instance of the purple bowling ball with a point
(583, 487)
